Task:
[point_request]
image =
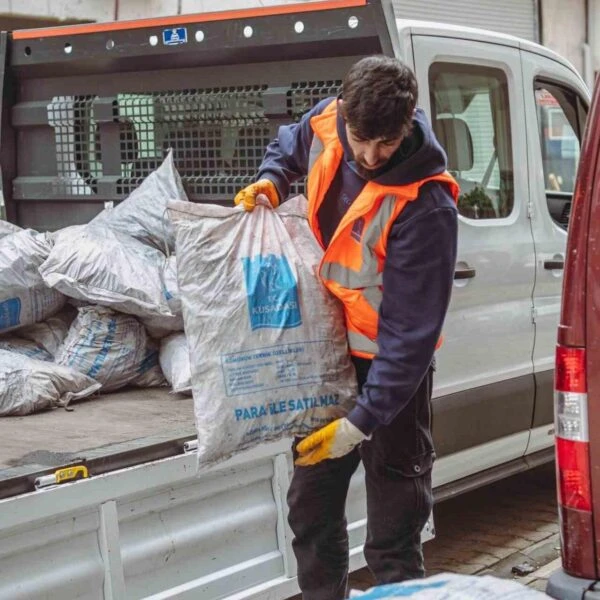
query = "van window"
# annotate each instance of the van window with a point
(561, 118)
(471, 119)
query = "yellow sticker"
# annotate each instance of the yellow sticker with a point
(71, 474)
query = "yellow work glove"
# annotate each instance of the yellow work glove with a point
(332, 441)
(247, 196)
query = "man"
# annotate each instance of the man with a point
(383, 207)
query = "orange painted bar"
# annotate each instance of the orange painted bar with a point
(42, 32)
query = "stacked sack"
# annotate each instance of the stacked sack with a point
(24, 297)
(120, 272)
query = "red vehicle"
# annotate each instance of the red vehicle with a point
(577, 384)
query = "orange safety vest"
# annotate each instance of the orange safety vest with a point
(352, 265)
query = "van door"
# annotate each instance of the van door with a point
(556, 103)
(483, 400)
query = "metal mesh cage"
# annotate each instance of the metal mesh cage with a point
(218, 136)
(77, 167)
(303, 95)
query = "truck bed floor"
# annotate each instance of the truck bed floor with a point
(124, 420)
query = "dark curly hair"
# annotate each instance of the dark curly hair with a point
(379, 97)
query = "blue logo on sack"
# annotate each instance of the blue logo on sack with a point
(107, 344)
(166, 293)
(10, 313)
(272, 292)
(150, 361)
(404, 590)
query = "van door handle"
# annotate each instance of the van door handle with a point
(464, 273)
(554, 264)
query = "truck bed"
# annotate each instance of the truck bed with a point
(108, 424)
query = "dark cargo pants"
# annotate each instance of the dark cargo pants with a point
(397, 463)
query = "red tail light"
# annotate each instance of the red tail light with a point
(569, 375)
(571, 420)
(573, 474)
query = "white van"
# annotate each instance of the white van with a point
(89, 110)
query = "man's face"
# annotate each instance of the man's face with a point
(371, 155)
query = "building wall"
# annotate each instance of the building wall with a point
(109, 10)
(61, 10)
(515, 17)
(563, 22)
(136, 9)
(564, 29)
(594, 39)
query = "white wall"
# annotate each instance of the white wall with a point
(93, 10)
(563, 21)
(563, 29)
(106, 10)
(191, 6)
(594, 14)
(138, 9)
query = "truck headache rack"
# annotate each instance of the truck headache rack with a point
(113, 98)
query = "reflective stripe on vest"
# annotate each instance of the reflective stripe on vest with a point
(361, 345)
(368, 275)
(352, 266)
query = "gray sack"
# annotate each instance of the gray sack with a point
(174, 361)
(101, 266)
(28, 385)
(267, 342)
(143, 214)
(112, 348)
(24, 297)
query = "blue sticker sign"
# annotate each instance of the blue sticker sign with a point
(272, 292)
(175, 36)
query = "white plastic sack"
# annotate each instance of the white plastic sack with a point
(174, 361)
(142, 214)
(50, 334)
(267, 342)
(159, 327)
(28, 385)
(112, 348)
(7, 228)
(24, 297)
(12, 343)
(450, 586)
(101, 266)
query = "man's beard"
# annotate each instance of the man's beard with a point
(370, 174)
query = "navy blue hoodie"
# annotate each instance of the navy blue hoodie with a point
(419, 266)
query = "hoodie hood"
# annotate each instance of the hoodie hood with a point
(420, 155)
